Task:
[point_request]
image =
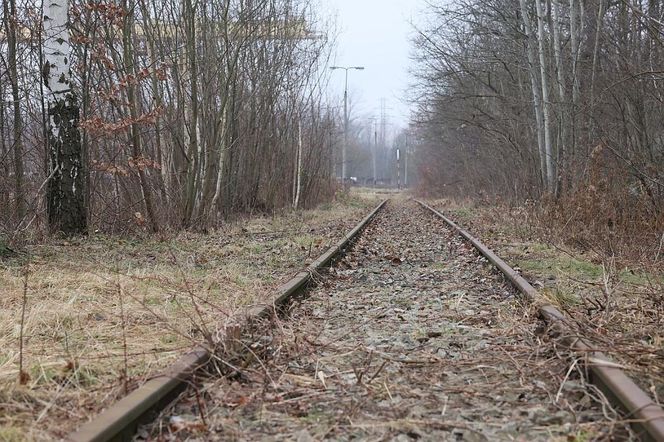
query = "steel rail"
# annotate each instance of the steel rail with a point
(646, 416)
(121, 420)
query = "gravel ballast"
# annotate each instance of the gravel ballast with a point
(411, 336)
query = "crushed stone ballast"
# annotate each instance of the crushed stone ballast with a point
(647, 417)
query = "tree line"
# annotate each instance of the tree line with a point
(555, 99)
(162, 114)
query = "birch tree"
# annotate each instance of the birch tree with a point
(297, 182)
(535, 88)
(188, 111)
(546, 105)
(583, 76)
(65, 190)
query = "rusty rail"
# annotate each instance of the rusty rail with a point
(646, 416)
(120, 421)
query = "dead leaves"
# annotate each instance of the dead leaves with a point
(395, 260)
(179, 424)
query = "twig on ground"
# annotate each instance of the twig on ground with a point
(23, 377)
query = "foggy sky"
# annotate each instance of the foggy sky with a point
(374, 34)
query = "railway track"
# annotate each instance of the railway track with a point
(410, 334)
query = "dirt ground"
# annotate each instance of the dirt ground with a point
(618, 302)
(104, 313)
(411, 336)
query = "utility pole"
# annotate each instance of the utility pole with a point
(375, 152)
(398, 168)
(405, 160)
(383, 122)
(345, 146)
(405, 166)
(374, 148)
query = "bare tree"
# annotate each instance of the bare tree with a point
(66, 192)
(589, 72)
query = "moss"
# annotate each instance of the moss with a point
(561, 296)
(563, 264)
(462, 213)
(168, 338)
(403, 302)
(153, 300)
(578, 268)
(255, 248)
(304, 240)
(11, 434)
(5, 251)
(582, 436)
(638, 277)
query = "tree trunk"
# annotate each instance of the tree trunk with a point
(10, 25)
(548, 149)
(132, 102)
(298, 172)
(193, 153)
(560, 168)
(537, 92)
(65, 191)
(575, 38)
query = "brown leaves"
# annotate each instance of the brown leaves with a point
(178, 424)
(97, 125)
(139, 163)
(108, 11)
(395, 260)
(23, 377)
(140, 219)
(112, 169)
(142, 163)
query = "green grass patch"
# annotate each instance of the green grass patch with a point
(462, 213)
(561, 296)
(11, 434)
(580, 269)
(562, 264)
(5, 251)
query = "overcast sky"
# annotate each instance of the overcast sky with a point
(375, 34)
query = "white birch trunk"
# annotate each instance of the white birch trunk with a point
(550, 176)
(557, 50)
(575, 37)
(298, 175)
(598, 27)
(537, 100)
(56, 51)
(65, 192)
(559, 166)
(220, 164)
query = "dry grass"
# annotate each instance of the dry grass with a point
(104, 313)
(616, 299)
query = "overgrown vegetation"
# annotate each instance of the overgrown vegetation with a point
(189, 112)
(104, 313)
(5, 251)
(552, 104)
(615, 295)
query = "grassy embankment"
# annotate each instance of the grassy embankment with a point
(103, 313)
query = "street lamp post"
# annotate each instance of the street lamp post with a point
(345, 146)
